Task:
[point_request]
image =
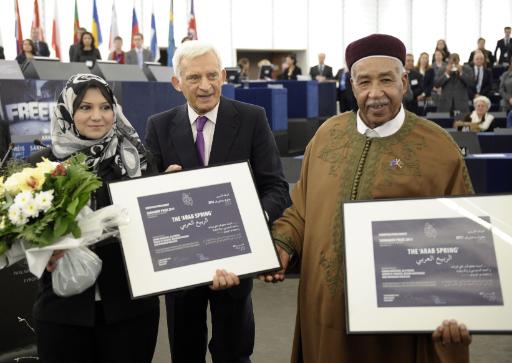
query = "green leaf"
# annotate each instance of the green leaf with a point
(75, 230)
(71, 209)
(61, 226)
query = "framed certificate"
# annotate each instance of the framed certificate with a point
(183, 226)
(410, 264)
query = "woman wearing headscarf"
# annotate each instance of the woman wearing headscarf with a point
(101, 324)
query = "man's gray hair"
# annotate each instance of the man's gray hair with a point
(190, 50)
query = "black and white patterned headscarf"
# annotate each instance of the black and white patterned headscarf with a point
(122, 142)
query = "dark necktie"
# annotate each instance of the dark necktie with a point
(321, 69)
(200, 122)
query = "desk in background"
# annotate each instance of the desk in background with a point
(273, 100)
(495, 143)
(491, 173)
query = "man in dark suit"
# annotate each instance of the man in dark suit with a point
(505, 47)
(344, 94)
(321, 71)
(489, 58)
(138, 55)
(207, 130)
(415, 84)
(40, 48)
(483, 77)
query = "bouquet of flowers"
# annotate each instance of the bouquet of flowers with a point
(43, 209)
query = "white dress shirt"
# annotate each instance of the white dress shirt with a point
(208, 130)
(387, 129)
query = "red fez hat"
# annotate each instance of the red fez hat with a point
(375, 45)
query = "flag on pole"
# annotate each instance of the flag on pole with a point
(96, 31)
(114, 30)
(17, 28)
(36, 22)
(135, 25)
(56, 32)
(172, 46)
(154, 43)
(192, 30)
(76, 25)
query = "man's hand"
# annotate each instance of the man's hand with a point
(450, 332)
(224, 280)
(52, 263)
(173, 168)
(284, 257)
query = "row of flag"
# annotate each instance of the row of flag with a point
(96, 30)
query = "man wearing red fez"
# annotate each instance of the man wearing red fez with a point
(382, 151)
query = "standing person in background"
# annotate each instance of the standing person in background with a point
(291, 70)
(40, 48)
(138, 55)
(506, 89)
(455, 81)
(344, 93)
(86, 51)
(117, 54)
(443, 48)
(208, 130)
(424, 68)
(27, 52)
(489, 58)
(74, 47)
(505, 47)
(483, 77)
(349, 159)
(321, 71)
(415, 84)
(438, 68)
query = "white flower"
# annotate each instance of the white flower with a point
(44, 200)
(2, 223)
(12, 183)
(15, 216)
(23, 199)
(30, 209)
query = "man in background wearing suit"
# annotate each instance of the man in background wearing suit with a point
(505, 47)
(483, 77)
(138, 55)
(415, 84)
(489, 58)
(321, 71)
(208, 130)
(40, 48)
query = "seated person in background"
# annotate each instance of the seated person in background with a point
(483, 77)
(506, 89)
(489, 58)
(455, 81)
(118, 54)
(244, 65)
(479, 119)
(40, 47)
(321, 71)
(86, 50)
(27, 51)
(73, 47)
(292, 70)
(415, 83)
(139, 54)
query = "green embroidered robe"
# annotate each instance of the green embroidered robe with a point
(419, 160)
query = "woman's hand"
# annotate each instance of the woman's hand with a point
(52, 263)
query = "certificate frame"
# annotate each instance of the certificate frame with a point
(391, 301)
(186, 225)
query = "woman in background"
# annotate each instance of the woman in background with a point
(292, 70)
(86, 51)
(118, 54)
(478, 120)
(443, 48)
(27, 51)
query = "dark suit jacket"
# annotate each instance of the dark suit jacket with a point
(112, 282)
(41, 49)
(486, 89)
(416, 85)
(2, 55)
(131, 56)
(315, 71)
(293, 77)
(503, 49)
(241, 133)
(72, 49)
(5, 138)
